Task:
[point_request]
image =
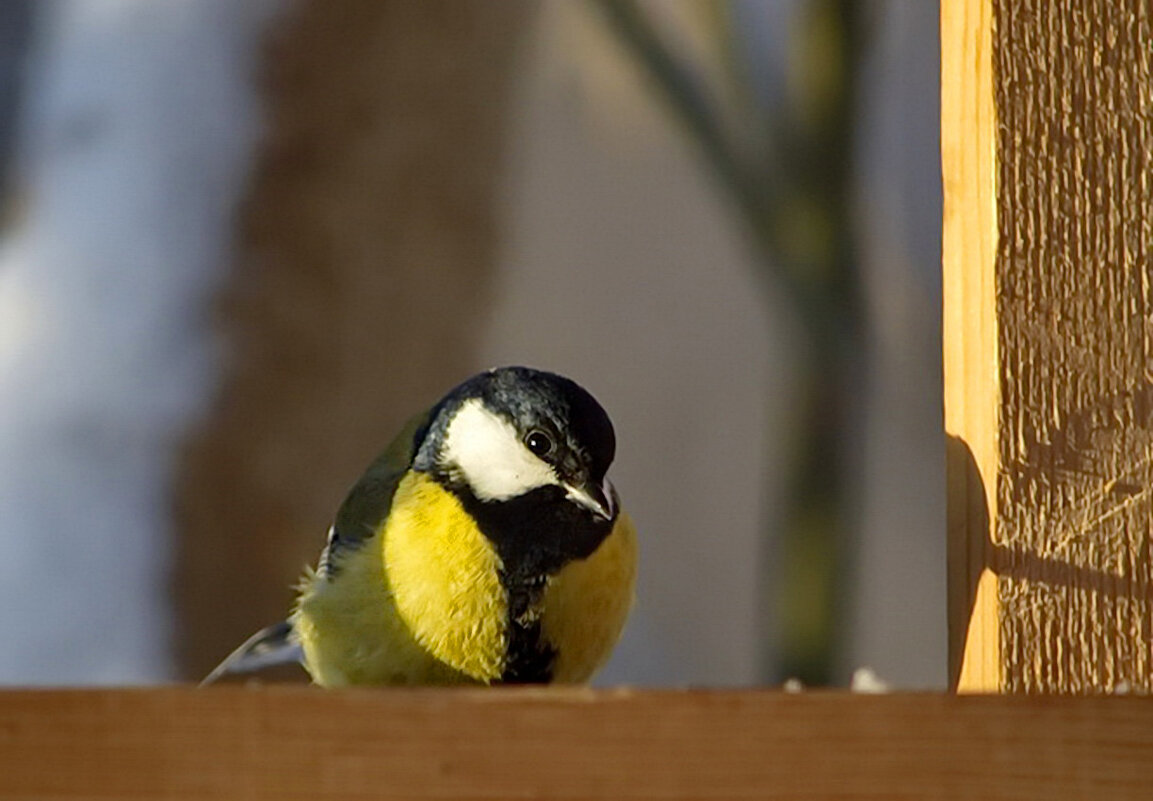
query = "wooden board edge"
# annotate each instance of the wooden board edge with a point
(971, 375)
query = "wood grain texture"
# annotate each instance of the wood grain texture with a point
(295, 742)
(1047, 319)
(1074, 96)
(367, 248)
(968, 143)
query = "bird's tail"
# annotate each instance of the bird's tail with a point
(274, 645)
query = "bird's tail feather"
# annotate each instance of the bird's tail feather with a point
(274, 645)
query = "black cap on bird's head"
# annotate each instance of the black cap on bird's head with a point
(527, 452)
(511, 430)
(563, 423)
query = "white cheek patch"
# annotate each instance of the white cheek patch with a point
(489, 455)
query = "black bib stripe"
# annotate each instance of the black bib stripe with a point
(535, 536)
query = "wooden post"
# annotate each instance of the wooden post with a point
(969, 335)
(1047, 136)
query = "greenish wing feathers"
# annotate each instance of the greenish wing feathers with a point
(367, 504)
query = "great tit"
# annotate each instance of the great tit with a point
(484, 545)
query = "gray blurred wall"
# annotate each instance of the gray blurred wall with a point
(623, 267)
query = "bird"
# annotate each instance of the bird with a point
(485, 545)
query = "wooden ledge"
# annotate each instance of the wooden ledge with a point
(299, 742)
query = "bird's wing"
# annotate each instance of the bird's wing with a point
(274, 645)
(358, 519)
(367, 504)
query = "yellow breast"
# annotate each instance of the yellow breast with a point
(445, 579)
(421, 602)
(587, 603)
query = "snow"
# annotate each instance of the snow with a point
(139, 121)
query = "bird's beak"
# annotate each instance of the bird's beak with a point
(600, 500)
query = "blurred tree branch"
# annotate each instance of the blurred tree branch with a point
(16, 34)
(786, 166)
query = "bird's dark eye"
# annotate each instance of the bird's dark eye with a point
(538, 442)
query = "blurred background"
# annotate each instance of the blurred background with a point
(240, 242)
